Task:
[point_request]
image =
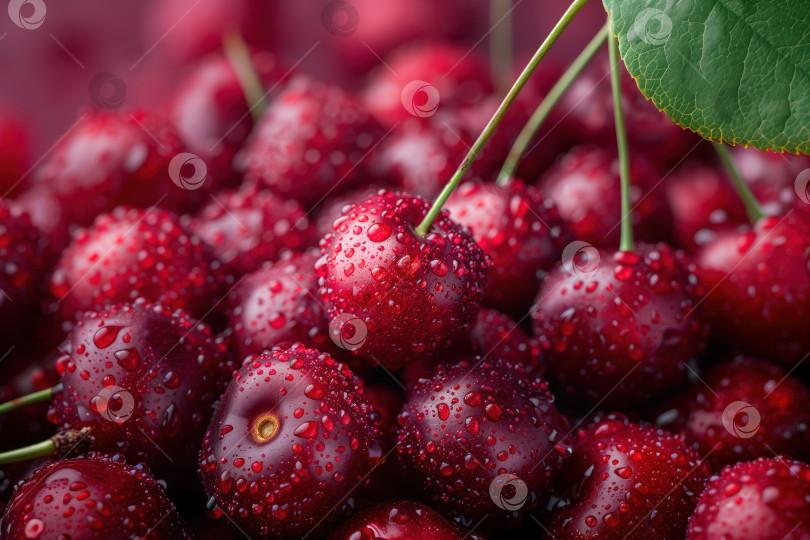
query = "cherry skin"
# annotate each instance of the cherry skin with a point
(400, 519)
(771, 176)
(625, 480)
(764, 498)
(759, 287)
(767, 412)
(311, 142)
(130, 253)
(469, 427)
(143, 379)
(620, 327)
(333, 207)
(703, 203)
(249, 228)
(584, 184)
(291, 438)
(497, 334)
(90, 497)
(521, 231)
(402, 295)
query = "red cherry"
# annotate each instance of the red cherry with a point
(521, 231)
(703, 203)
(291, 438)
(625, 480)
(402, 295)
(249, 228)
(311, 142)
(742, 409)
(89, 497)
(585, 186)
(771, 176)
(496, 334)
(400, 519)
(131, 253)
(14, 155)
(143, 379)
(619, 328)
(483, 439)
(765, 498)
(759, 287)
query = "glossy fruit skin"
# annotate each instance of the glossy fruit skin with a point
(409, 295)
(279, 303)
(324, 442)
(458, 77)
(400, 519)
(332, 208)
(144, 380)
(471, 423)
(622, 331)
(626, 480)
(312, 141)
(782, 402)
(771, 176)
(760, 287)
(130, 253)
(764, 498)
(585, 186)
(521, 231)
(248, 228)
(494, 333)
(90, 497)
(109, 159)
(703, 203)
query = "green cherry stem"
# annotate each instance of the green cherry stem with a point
(38, 450)
(34, 397)
(750, 202)
(501, 54)
(239, 56)
(626, 242)
(423, 228)
(539, 116)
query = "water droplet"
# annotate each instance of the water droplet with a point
(105, 336)
(128, 358)
(307, 430)
(379, 232)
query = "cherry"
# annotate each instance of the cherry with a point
(143, 379)
(743, 409)
(113, 158)
(626, 480)
(703, 203)
(764, 498)
(250, 228)
(46, 213)
(311, 142)
(14, 155)
(483, 439)
(521, 231)
(402, 295)
(400, 519)
(291, 438)
(421, 157)
(130, 253)
(584, 184)
(619, 327)
(759, 287)
(91, 497)
(771, 176)
(279, 303)
(210, 111)
(497, 334)
(454, 78)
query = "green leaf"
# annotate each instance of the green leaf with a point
(734, 71)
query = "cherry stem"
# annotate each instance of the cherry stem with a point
(423, 228)
(626, 242)
(33, 397)
(239, 56)
(751, 203)
(38, 450)
(540, 114)
(501, 54)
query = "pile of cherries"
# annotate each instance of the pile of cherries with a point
(279, 351)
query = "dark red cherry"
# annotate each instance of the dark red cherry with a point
(626, 480)
(521, 231)
(765, 498)
(618, 327)
(292, 437)
(483, 439)
(399, 295)
(90, 497)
